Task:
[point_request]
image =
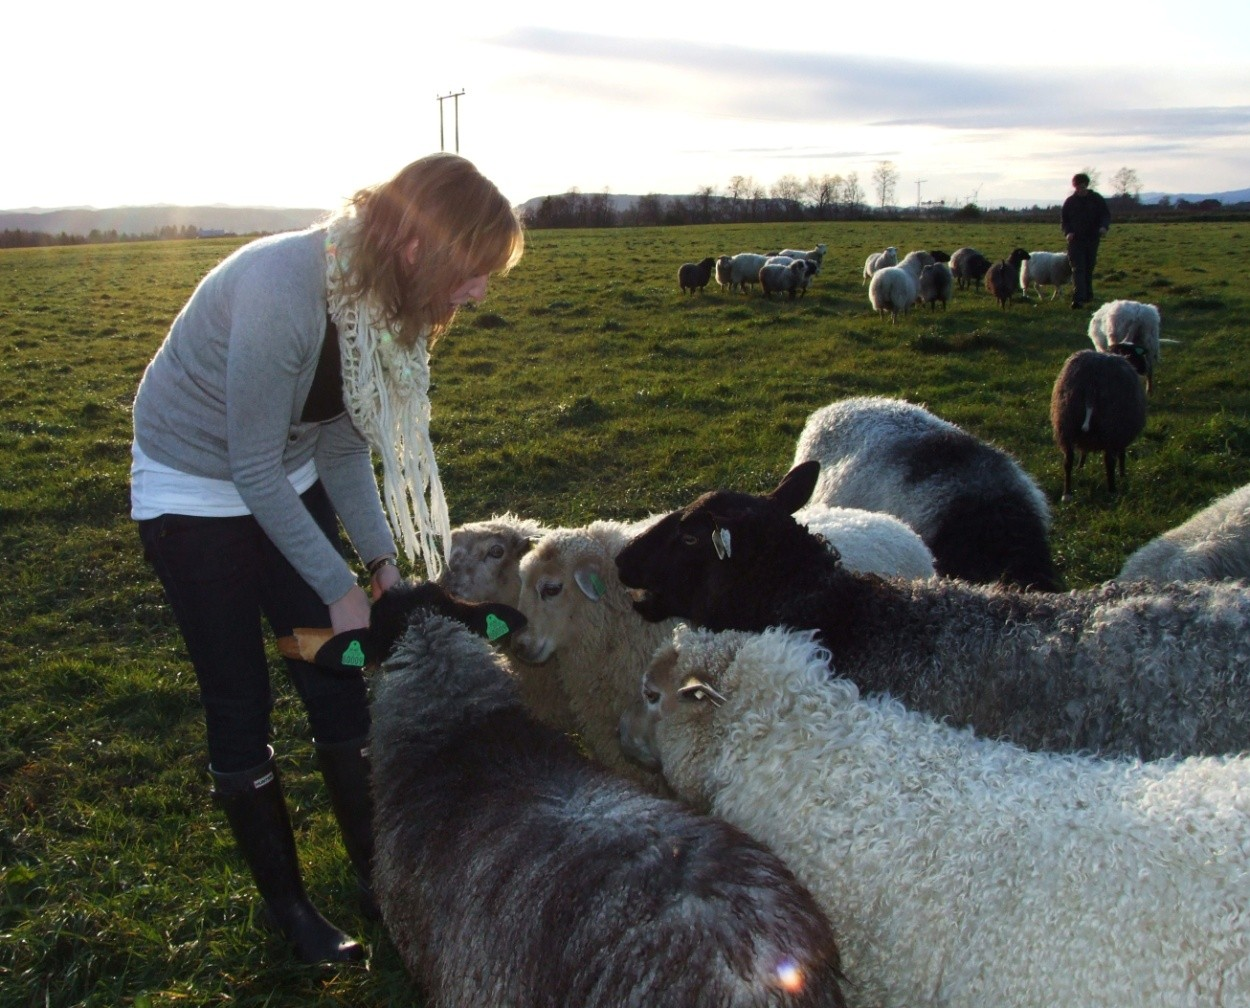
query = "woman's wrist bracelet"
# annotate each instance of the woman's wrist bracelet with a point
(377, 563)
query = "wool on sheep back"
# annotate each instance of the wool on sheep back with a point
(1212, 545)
(962, 872)
(512, 871)
(1128, 669)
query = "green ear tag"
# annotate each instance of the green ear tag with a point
(354, 655)
(596, 582)
(495, 627)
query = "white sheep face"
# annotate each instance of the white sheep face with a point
(556, 584)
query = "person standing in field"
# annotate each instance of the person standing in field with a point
(1085, 218)
(294, 360)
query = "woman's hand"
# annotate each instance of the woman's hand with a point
(386, 576)
(351, 612)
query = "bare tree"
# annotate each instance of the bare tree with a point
(852, 193)
(1126, 183)
(884, 180)
(823, 193)
(1093, 176)
(788, 188)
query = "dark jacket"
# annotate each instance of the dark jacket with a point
(1084, 214)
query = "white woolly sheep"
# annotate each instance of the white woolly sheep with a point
(1050, 268)
(1003, 278)
(742, 269)
(1213, 545)
(1127, 669)
(870, 542)
(694, 277)
(960, 871)
(724, 268)
(893, 290)
(1097, 404)
(981, 515)
(816, 256)
(512, 871)
(968, 266)
(790, 277)
(934, 285)
(879, 260)
(1129, 322)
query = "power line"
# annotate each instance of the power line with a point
(442, 145)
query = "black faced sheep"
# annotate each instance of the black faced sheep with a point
(1003, 278)
(1097, 404)
(1126, 669)
(968, 266)
(961, 871)
(1132, 323)
(1213, 545)
(978, 511)
(934, 285)
(512, 871)
(694, 277)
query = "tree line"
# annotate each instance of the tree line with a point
(21, 238)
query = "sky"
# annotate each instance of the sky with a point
(277, 103)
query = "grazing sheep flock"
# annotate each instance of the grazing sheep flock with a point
(960, 871)
(512, 871)
(978, 511)
(1140, 670)
(1213, 545)
(1097, 404)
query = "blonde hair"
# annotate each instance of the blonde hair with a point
(463, 228)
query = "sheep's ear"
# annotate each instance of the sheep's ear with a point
(591, 584)
(722, 542)
(529, 542)
(698, 690)
(795, 488)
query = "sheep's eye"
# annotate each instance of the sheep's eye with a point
(651, 695)
(496, 551)
(550, 589)
(689, 540)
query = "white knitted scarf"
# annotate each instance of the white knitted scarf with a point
(386, 389)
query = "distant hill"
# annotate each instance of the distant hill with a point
(141, 220)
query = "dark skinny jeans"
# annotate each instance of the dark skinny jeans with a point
(221, 575)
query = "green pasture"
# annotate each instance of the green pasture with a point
(586, 386)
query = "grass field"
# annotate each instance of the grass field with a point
(586, 386)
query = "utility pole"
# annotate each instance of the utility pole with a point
(918, 181)
(455, 95)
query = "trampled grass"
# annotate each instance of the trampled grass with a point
(586, 386)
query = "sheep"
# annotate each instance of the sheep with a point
(1138, 670)
(1050, 268)
(780, 278)
(483, 559)
(940, 256)
(694, 277)
(816, 256)
(742, 269)
(1212, 545)
(981, 515)
(934, 285)
(894, 289)
(960, 871)
(724, 272)
(510, 870)
(1003, 278)
(869, 541)
(969, 267)
(1129, 322)
(879, 260)
(1097, 404)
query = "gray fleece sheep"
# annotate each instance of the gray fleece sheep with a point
(968, 266)
(694, 277)
(1121, 669)
(981, 515)
(934, 285)
(790, 277)
(512, 871)
(1097, 404)
(959, 871)
(1213, 545)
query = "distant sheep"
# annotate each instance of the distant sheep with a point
(1050, 268)
(879, 260)
(968, 266)
(1126, 669)
(790, 277)
(740, 270)
(894, 289)
(695, 276)
(960, 871)
(1003, 278)
(935, 285)
(816, 256)
(1129, 322)
(1213, 545)
(982, 516)
(512, 871)
(1097, 404)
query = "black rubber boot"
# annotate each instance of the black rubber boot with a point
(345, 768)
(257, 813)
